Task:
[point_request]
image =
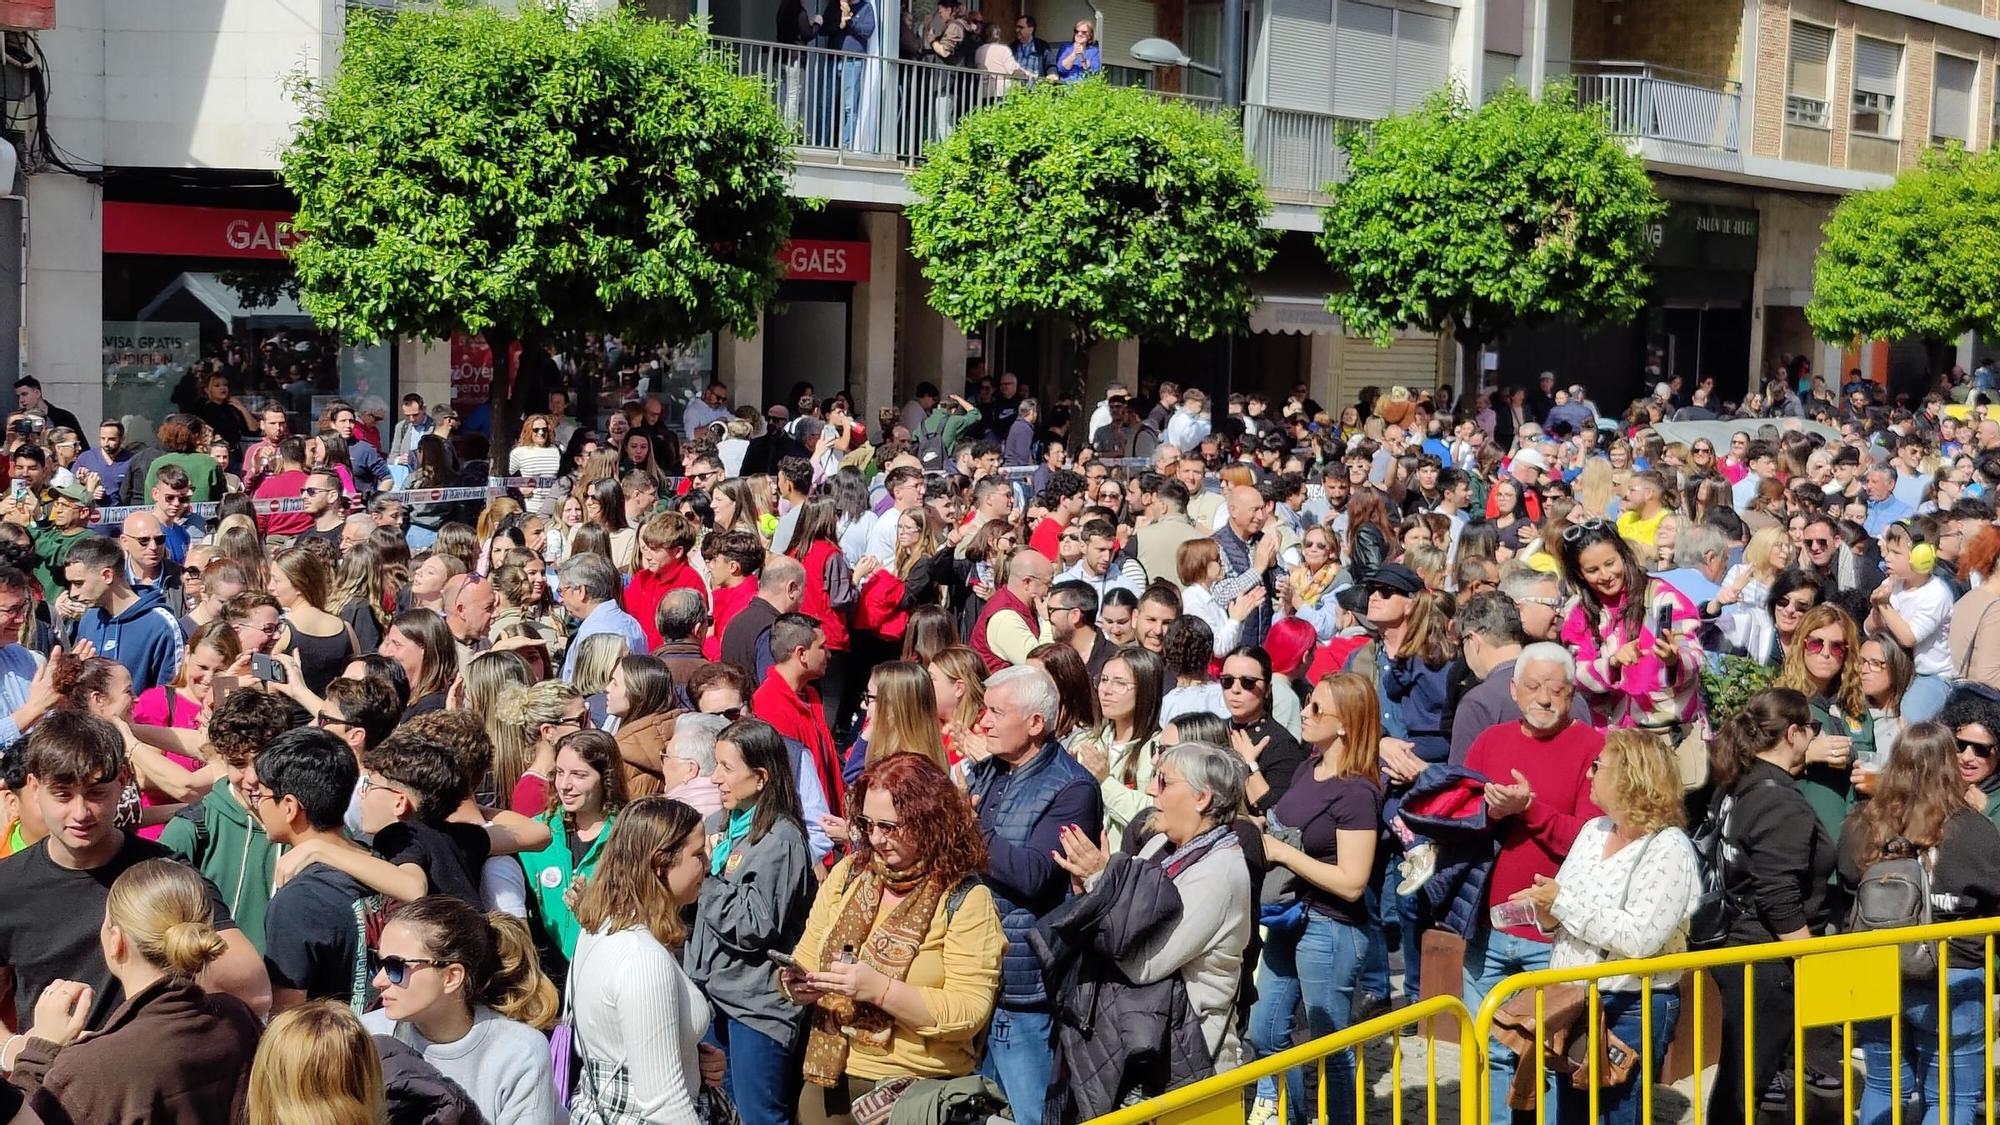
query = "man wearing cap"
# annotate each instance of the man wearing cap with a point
(1542, 398)
(65, 523)
(1527, 469)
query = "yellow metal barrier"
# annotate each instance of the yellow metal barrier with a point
(1221, 1100)
(1839, 981)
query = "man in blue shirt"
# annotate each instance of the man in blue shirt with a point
(590, 590)
(371, 472)
(1031, 54)
(1883, 506)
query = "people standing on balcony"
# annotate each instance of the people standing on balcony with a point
(1081, 57)
(852, 33)
(1031, 51)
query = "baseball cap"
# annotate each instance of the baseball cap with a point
(1533, 459)
(76, 493)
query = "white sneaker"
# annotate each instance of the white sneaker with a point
(1417, 866)
(1263, 1111)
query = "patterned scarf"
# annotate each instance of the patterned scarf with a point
(888, 947)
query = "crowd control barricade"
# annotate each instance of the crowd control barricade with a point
(1224, 1098)
(1838, 982)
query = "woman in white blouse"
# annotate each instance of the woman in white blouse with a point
(1626, 890)
(1200, 565)
(638, 1018)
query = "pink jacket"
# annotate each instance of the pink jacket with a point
(1646, 692)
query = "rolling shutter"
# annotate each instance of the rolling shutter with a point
(1812, 49)
(1364, 61)
(1299, 55)
(1951, 103)
(1877, 66)
(1423, 57)
(1123, 23)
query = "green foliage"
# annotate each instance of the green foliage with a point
(1918, 258)
(1729, 681)
(1125, 213)
(535, 174)
(1519, 212)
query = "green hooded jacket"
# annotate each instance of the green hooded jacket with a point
(221, 838)
(550, 873)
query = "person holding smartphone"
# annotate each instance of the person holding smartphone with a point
(1633, 635)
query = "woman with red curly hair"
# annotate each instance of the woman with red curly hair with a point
(1975, 632)
(900, 959)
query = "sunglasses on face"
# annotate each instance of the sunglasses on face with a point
(868, 826)
(1978, 749)
(154, 541)
(396, 970)
(1247, 683)
(1820, 647)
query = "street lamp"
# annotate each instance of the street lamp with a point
(1163, 52)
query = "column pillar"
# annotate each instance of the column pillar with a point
(64, 298)
(871, 353)
(739, 364)
(934, 348)
(1319, 371)
(424, 367)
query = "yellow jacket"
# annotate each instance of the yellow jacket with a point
(958, 970)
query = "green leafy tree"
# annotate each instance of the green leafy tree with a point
(1918, 258)
(1125, 214)
(1521, 212)
(536, 176)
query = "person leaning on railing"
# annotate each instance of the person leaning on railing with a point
(1626, 890)
(1775, 862)
(1920, 800)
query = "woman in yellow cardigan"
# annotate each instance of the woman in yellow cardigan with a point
(900, 959)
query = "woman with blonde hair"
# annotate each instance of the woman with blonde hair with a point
(597, 657)
(1626, 891)
(958, 678)
(639, 1017)
(317, 1065)
(524, 727)
(173, 1052)
(321, 641)
(900, 713)
(467, 991)
(1748, 583)
(1593, 489)
(535, 454)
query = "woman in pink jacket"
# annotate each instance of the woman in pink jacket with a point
(1638, 663)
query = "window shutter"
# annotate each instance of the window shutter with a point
(1812, 48)
(1423, 57)
(1364, 66)
(1877, 66)
(1299, 57)
(1506, 26)
(1951, 102)
(1125, 23)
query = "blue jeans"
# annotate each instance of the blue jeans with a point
(1920, 1053)
(850, 100)
(1020, 1057)
(1489, 959)
(1924, 699)
(764, 1076)
(1405, 916)
(1319, 965)
(1621, 1104)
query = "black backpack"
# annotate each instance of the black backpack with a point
(1715, 910)
(1895, 893)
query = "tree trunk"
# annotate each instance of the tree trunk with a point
(506, 411)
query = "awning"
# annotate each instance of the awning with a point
(1293, 309)
(219, 298)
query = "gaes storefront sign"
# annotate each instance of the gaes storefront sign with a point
(171, 230)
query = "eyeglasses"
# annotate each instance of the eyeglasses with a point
(187, 571)
(312, 491)
(1796, 606)
(1869, 664)
(369, 784)
(149, 540)
(396, 970)
(1116, 683)
(1546, 602)
(868, 826)
(582, 720)
(1247, 683)
(1980, 749)
(325, 721)
(868, 699)
(1819, 646)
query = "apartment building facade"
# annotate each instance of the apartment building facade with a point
(1754, 115)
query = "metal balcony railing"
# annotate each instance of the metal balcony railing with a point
(858, 109)
(1660, 104)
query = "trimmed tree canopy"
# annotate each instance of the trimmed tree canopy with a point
(536, 174)
(1523, 211)
(1126, 214)
(1918, 258)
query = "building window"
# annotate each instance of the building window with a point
(1951, 99)
(1808, 75)
(1878, 69)
(1497, 69)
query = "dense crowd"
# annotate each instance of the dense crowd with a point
(993, 756)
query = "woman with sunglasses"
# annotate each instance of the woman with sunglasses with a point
(1765, 634)
(586, 792)
(535, 454)
(1920, 810)
(1974, 722)
(759, 890)
(899, 964)
(1269, 750)
(639, 1017)
(466, 990)
(1824, 665)
(1630, 672)
(1913, 604)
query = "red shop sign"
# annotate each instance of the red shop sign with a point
(811, 260)
(195, 232)
(27, 15)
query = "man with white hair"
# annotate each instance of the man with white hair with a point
(1701, 559)
(690, 759)
(1537, 799)
(1029, 791)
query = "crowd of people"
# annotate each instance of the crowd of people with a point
(769, 764)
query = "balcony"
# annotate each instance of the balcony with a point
(1672, 116)
(863, 121)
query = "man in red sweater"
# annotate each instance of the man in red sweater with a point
(788, 701)
(1537, 798)
(664, 543)
(735, 558)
